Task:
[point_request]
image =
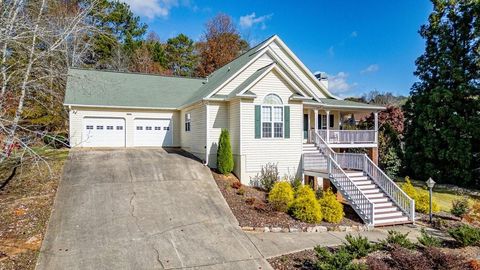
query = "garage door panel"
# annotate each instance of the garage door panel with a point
(152, 132)
(103, 132)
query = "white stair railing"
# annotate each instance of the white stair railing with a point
(359, 201)
(392, 190)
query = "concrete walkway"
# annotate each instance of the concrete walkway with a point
(142, 209)
(276, 244)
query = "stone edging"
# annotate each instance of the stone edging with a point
(340, 228)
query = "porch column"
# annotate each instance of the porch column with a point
(310, 139)
(375, 114)
(315, 114)
(328, 126)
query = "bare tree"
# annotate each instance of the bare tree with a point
(39, 41)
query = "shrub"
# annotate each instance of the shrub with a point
(267, 178)
(241, 191)
(460, 207)
(236, 185)
(305, 206)
(391, 162)
(332, 209)
(281, 196)
(441, 260)
(397, 238)
(473, 215)
(406, 259)
(465, 235)
(428, 240)
(377, 264)
(422, 203)
(224, 153)
(341, 259)
(422, 199)
(296, 183)
(358, 246)
(409, 188)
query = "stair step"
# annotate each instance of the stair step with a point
(380, 221)
(364, 183)
(358, 178)
(392, 214)
(369, 190)
(385, 209)
(379, 200)
(382, 204)
(354, 174)
(375, 195)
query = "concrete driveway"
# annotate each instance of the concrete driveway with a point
(142, 209)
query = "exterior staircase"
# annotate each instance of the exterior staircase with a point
(370, 192)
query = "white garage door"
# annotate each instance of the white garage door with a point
(103, 132)
(152, 132)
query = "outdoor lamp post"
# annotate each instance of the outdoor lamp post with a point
(430, 184)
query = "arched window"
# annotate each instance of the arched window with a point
(272, 117)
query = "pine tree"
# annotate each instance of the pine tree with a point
(181, 55)
(442, 116)
(224, 153)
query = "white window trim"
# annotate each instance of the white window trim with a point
(271, 106)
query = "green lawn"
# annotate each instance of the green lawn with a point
(442, 196)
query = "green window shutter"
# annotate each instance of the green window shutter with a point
(258, 114)
(287, 121)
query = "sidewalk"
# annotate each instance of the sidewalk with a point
(276, 244)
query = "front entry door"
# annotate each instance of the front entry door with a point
(305, 127)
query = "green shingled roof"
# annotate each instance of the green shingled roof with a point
(106, 88)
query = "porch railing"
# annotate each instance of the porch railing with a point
(362, 205)
(363, 163)
(335, 136)
(401, 199)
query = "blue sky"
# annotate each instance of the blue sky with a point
(362, 45)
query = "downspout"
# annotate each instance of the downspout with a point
(206, 135)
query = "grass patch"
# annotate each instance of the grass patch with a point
(442, 196)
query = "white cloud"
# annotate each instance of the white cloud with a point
(153, 8)
(250, 20)
(338, 84)
(370, 69)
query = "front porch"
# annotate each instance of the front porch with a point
(338, 127)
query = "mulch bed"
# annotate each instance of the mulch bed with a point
(26, 203)
(304, 260)
(250, 207)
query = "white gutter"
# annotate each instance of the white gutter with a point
(119, 107)
(206, 135)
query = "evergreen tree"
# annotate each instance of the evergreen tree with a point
(181, 56)
(224, 153)
(442, 125)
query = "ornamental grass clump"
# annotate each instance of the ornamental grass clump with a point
(281, 196)
(332, 209)
(305, 206)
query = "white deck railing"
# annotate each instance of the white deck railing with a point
(336, 136)
(359, 201)
(363, 163)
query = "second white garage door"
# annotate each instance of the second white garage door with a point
(152, 132)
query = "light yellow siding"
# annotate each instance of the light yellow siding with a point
(262, 61)
(77, 115)
(307, 80)
(255, 153)
(194, 141)
(218, 118)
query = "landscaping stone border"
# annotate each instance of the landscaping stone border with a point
(339, 228)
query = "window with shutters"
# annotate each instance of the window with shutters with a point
(272, 121)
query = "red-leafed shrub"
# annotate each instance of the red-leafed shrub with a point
(236, 185)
